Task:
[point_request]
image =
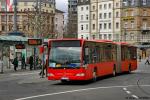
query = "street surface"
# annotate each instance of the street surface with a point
(27, 85)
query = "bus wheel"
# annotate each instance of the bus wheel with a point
(114, 72)
(94, 75)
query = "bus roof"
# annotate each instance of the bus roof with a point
(69, 39)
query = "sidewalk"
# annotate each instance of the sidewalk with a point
(142, 67)
(11, 69)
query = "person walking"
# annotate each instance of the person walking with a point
(15, 63)
(23, 66)
(31, 62)
(147, 60)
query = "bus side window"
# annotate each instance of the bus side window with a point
(86, 55)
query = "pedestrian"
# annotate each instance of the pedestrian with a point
(44, 69)
(31, 62)
(147, 61)
(23, 66)
(1, 65)
(15, 63)
(140, 58)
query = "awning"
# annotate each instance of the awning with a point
(13, 38)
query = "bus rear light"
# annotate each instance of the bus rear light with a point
(80, 74)
(50, 74)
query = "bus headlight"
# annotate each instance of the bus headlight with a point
(50, 74)
(80, 74)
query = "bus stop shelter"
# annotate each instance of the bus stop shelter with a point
(5, 42)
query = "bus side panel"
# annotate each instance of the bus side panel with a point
(125, 65)
(133, 65)
(105, 68)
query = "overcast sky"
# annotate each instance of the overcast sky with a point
(62, 5)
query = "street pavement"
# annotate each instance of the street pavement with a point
(28, 85)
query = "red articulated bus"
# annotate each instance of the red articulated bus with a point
(79, 59)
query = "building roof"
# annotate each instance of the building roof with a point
(58, 11)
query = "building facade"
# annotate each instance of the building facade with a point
(136, 20)
(83, 19)
(26, 18)
(59, 23)
(104, 19)
(72, 17)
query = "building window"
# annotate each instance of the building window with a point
(105, 6)
(144, 13)
(105, 26)
(93, 36)
(144, 25)
(109, 36)
(105, 36)
(100, 7)
(25, 3)
(93, 7)
(132, 13)
(81, 17)
(93, 26)
(117, 25)
(100, 36)
(100, 26)
(100, 16)
(132, 2)
(117, 4)
(109, 14)
(109, 25)
(132, 24)
(105, 15)
(109, 5)
(10, 18)
(126, 14)
(3, 27)
(87, 8)
(144, 2)
(87, 26)
(81, 8)
(81, 27)
(117, 14)
(126, 25)
(93, 16)
(3, 18)
(87, 17)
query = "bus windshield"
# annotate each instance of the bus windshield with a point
(62, 56)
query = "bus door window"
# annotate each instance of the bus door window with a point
(86, 55)
(96, 54)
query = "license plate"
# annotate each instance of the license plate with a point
(64, 78)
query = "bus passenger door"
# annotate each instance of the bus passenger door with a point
(118, 62)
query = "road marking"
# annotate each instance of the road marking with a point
(135, 96)
(79, 90)
(125, 89)
(23, 74)
(128, 92)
